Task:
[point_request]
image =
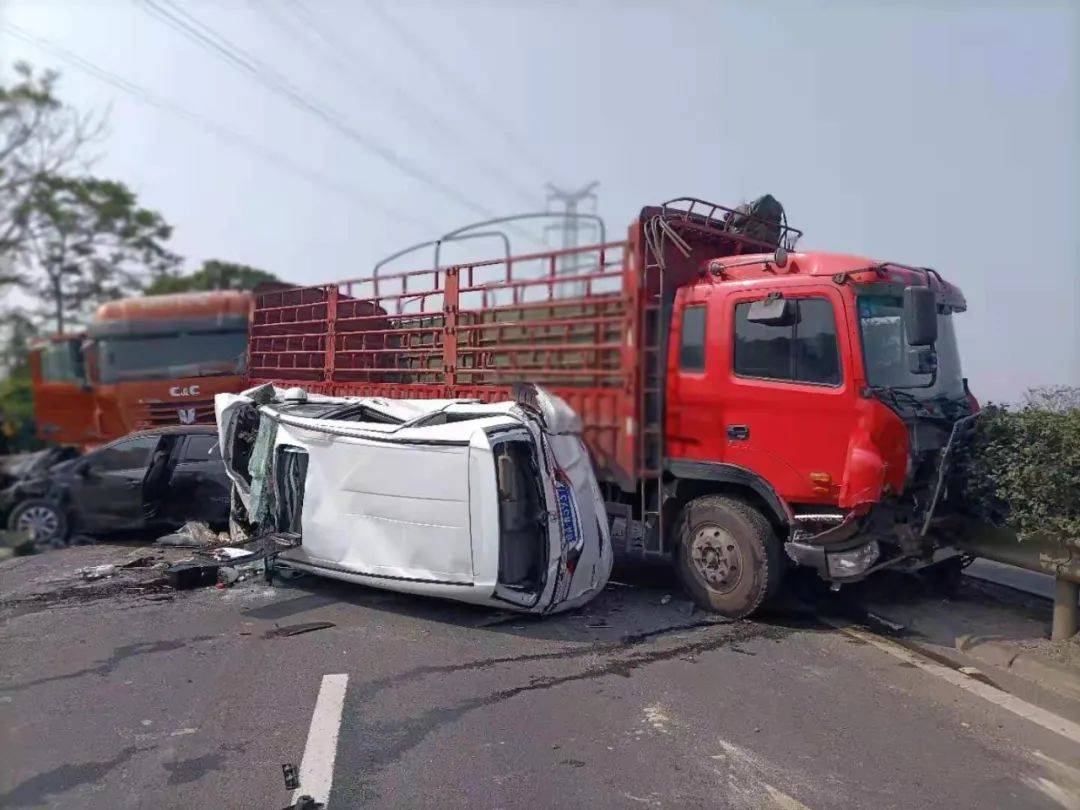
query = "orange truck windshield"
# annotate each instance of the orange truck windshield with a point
(167, 356)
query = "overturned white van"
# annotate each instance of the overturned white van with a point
(494, 504)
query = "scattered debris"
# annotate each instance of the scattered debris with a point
(193, 534)
(97, 572)
(231, 553)
(227, 575)
(888, 623)
(291, 774)
(141, 561)
(186, 575)
(665, 599)
(297, 629)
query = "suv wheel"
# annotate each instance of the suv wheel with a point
(44, 521)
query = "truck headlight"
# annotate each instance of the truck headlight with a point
(853, 562)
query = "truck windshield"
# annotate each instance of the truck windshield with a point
(157, 357)
(881, 324)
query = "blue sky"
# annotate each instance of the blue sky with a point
(931, 134)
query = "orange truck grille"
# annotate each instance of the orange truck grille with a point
(184, 412)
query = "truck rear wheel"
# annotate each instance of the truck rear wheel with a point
(728, 556)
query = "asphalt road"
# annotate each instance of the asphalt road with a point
(121, 698)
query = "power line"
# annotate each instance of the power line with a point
(430, 121)
(219, 131)
(456, 84)
(187, 25)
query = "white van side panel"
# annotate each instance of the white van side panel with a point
(390, 510)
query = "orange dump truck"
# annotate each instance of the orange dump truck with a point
(143, 362)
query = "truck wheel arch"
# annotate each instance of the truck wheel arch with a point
(696, 478)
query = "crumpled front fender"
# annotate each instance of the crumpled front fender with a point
(877, 457)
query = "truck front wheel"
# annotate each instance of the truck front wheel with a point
(728, 556)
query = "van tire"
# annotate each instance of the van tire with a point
(728, 557)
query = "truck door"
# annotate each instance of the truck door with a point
(64, 404)
(776, 398)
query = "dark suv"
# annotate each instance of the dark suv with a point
(153, 479)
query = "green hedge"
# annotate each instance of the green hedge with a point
(1022, 469)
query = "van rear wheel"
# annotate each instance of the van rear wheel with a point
(728, 558)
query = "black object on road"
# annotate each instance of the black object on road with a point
(187, 575)
(296, 629)
(291, 774)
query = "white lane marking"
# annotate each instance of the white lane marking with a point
(1021, 708)
(317, 766)
(745, 774)
(1061, 784)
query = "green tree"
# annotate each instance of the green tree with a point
(16, 401)
(88, 242)
(213, 275)
(39, 137)
(1022, 468)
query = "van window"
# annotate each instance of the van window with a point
(692, 342)
(804, 351)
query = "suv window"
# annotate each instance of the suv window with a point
(201, 448)
(692, 341)
(804, 351)
(129, 454)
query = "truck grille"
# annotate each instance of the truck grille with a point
(187, 412)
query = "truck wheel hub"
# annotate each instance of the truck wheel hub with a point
(716, 557)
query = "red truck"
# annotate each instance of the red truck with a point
(748, 407)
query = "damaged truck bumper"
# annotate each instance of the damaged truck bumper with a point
(493, 504)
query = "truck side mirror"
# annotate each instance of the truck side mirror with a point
(772, 311)
(922, 360)
(920, 316)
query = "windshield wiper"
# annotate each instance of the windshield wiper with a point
(898, 398)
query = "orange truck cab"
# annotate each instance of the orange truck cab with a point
(145, 362)
(64, 404)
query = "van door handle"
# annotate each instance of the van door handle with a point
(738, 433)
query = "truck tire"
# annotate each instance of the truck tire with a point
(728, 557)
(43, 520)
